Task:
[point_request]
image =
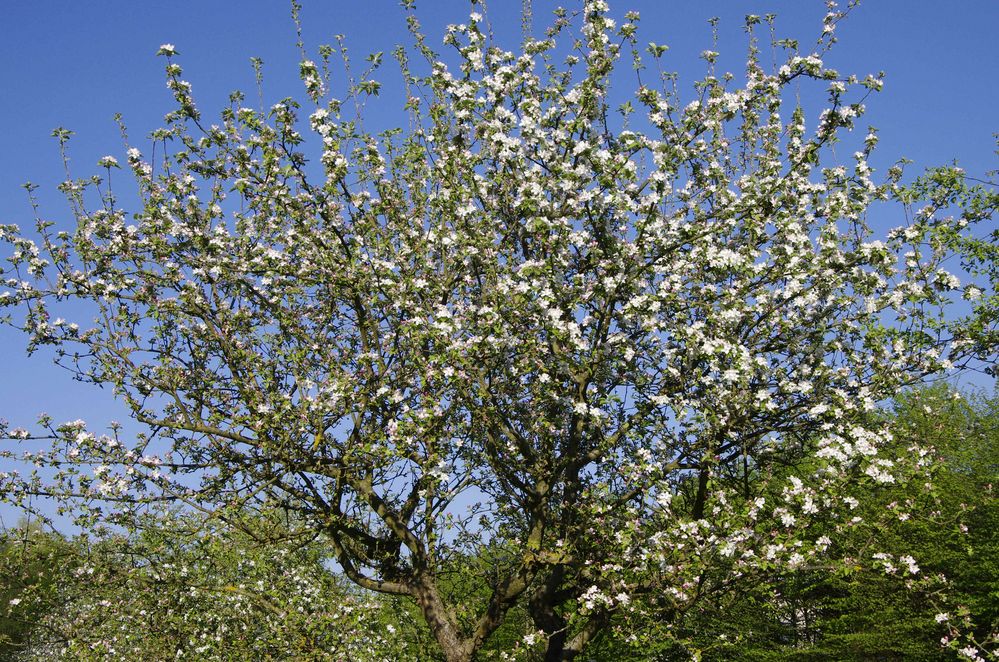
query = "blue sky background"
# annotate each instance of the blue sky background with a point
(75, 64)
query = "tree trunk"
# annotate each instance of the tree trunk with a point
(547, 619)
(444, 629)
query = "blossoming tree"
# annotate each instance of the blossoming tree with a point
(569, 341)
(210, 594)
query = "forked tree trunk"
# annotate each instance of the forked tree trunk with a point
(442, 626)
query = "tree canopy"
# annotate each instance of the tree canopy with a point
(625, 357)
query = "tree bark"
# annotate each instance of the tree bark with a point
(545, 616)
(443, 627)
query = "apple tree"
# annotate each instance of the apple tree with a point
(551, 324)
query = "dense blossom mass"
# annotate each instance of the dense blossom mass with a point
(615, 358)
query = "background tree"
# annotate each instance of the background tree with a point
(31, 561)
(587, 346)
(878, 608)
(183, 588)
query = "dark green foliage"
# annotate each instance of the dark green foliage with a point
(31, 560)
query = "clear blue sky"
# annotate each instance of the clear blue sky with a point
(75, 64)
